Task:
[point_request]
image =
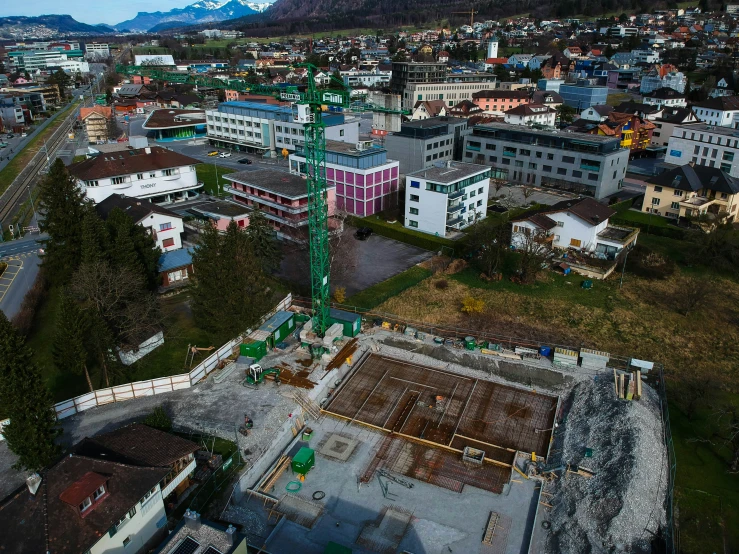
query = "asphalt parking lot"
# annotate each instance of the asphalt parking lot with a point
(359, 265)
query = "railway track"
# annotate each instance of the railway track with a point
(28, 176)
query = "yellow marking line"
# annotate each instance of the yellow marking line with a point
(10, 281)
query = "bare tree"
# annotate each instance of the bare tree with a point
(527, 193)
(691, 293)
(692, 390)
(488, 242)
(113, 130)
(727, 435)
(533, 252)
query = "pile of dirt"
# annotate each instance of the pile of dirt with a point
(618, 508)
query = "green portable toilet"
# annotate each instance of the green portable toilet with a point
(304, 460)
(279, 326)
(256, 349)
(352, 323)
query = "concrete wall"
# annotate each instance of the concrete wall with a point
(681, 151)
(414, 154)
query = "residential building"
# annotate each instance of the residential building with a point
(152, 172)
(366, 180)
(96, 121)
(546, 97)
(450, 92)
(96, 51)
(406, 73)
(550, 84)
(448, 196)
(194, 534)
(717, 111)
(580, 224)
(498, 101)
(176, 124)
(520, 61)
(707, 145)
(425, 109)
(465, 108)
(108, 496)
(164, 226)
(32, 61)
(595, 165)
(531, 114)
(11, 113)
(376, 78)
(646, 56)
(267, 129)
(419, 144)
(573, 52)
(667, 97)
(175, 267)
(582, 96)
(659, 78)
(596, 113)
(665, 124)
(282, 198)
(692, 190)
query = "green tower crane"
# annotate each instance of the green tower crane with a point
(308, 110)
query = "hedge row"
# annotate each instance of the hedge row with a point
(378, 293)
(408, 236)
(669, 232)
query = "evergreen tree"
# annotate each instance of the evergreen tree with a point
(61, 200)
(94, 243)
(263, 240)
(26, 401)
(72, 326)
(229, 289)
(132, 246)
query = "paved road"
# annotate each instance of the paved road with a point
(23, 260)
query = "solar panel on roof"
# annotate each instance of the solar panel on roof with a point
(188, 546)
(212, 550)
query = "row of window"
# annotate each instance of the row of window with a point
(289, 130)
(429, 146)
(236, 131)
(724, 166)
(720, 141)
(438, 156)
(673, 205)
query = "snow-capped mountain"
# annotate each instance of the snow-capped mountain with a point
(204, 11)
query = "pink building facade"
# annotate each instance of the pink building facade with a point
(363, 178)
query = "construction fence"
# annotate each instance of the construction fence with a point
(160, 385)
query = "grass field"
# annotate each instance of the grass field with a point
(207, 174)
(379, 293)
(150, 50)
(22, 159)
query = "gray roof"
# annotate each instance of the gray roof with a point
(450, 172)
(715, 129)
(175, 258)
(272, 180)
(434, 122)
(696, 177)
(568, 135)
(349, 148)
(130, 90)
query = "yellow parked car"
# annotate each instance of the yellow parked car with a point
(214, 153)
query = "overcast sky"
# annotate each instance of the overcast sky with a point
(90, 11)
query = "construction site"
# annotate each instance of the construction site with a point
(402, 441)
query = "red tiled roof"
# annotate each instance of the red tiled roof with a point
(83, 488)
(131, 161)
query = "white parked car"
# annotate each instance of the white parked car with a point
(224, 155)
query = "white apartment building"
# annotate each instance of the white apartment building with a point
(706, 145)
(531, 114)
(152, 172)
(96, 50)
(451, 93)
(267, 129)
(448, 196)
(718, 111)
(355, 78)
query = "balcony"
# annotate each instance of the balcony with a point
(509, 154)
(267, 201)
(454, 221)
(181, 476)
(589, 167)
(455, 195)
(455, 208)
(473, 148)
(618, 236)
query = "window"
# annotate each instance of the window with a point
(139, 176)
(575, 242)
(568, 159)
(550, 156)
(677, 193)
(152, 175)
(413, 211)
(524, 152)
(593, 176)
(131, 512)
(532, 165)
(148, 495)
(519, 163)
(98, 493)
(428, 146)
(167, 172)
(675, 205)
(576, 173)
(725, 167)
(415, 184)
(657, 189)
(86, 503)
(118, 180)
(538, 154)
(493, 159)
(278, 128)
(547, 168)
(479, 203)
(428, 158)
(561, 171)
(414, 198)
(489, 147)
(728, 156)
(655, 201)
(126, 541)
(472, 193)
(412, 223)
(165, 226)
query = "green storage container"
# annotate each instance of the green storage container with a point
(279, 326)
(469, 343)
(352, 323)
(256, 349)
(304, 460)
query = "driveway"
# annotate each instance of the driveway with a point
(359, 264)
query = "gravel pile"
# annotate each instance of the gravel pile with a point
(609, 512)
(251, 522)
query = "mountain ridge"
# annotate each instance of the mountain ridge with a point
(19, 26)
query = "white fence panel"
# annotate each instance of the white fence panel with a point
(197, 373)
(123, 392)
(65, 409)
(104, 396)
(85, 401)
(181, 381)
(161, 385)
(3, 423)
(142, 388)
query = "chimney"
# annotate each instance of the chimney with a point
(33, 482)
(147, 150)
(192, 520)
(231, 535)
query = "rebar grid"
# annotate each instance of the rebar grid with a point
(401, 397)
